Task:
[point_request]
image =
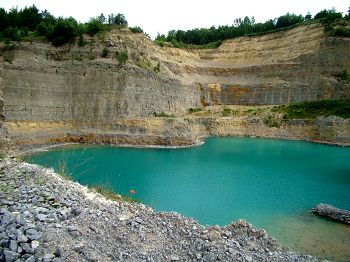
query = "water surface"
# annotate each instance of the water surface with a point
(270, 183)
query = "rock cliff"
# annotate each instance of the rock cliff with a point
(72, 92)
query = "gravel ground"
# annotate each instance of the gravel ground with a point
(46, 218)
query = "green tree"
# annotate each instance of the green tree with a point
(64, 31)
(94, 26)
(308, 16)
(101, 18)
(42, 29)
(120, 19)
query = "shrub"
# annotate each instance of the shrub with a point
(311, 110)
(156, 68)
(194, 110)
(81, 41)
(104, 52)
(344, 75)
(122, 57)
(93, 27)
(161, 115)
(91, 55)
(226, 112)
(341, 31)
(42, 29)
(136, 30)
(63, 32)
(272, 121)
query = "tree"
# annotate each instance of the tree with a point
(64, 31)
(29, 17)
(101, 18)
(42, 29)
(308, 16)
(94, 26)
(120, 19)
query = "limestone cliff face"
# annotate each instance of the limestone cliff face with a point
(289, 66)
(100, 91)
(64, 91)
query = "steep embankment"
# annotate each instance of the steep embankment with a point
(71, 93)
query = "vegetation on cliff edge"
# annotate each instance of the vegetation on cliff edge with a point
(334, 22)
(31, 23)
(311, 110)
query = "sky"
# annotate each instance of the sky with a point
(161, 16)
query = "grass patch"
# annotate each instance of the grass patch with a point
(226, 112)
(272, 121)
(194, 110)
(311, 110)
(344, 75)
(254, 111)
(108, 193)
(162, 115)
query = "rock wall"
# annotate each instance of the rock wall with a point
(295, 65)
(62, 92)
(93, 92)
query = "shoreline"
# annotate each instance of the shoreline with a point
(33, 148)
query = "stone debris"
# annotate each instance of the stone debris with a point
(46, 218)
(332, 212)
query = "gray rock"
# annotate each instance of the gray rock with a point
(48, 257)
(57, 252)
(21, 238)
(174, 258)
(30, 259)
(209, 257)
(13, 245)
(72, 228)
(35, 244)
(78, 247)
(41, 217)
(10, 256)
(33, 234)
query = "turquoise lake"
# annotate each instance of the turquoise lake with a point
(271, 183)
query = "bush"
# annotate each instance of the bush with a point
(104, 52)
(341, 31)
(12, 33)
(93, 27)
(272, 121)
(42, 29)
(311, 110)
(81, 41)
(161, 115)
(122, 57)
(156, 68)
(194, 110)
(226, 112)
(344, 75)
(136, 30)
(63, 32)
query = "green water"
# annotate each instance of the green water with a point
(270, 183)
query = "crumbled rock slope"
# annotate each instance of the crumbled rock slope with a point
(45, 218)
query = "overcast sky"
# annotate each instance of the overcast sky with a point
(161, 15)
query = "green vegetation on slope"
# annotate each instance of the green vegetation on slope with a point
(30, 23)
(213, 37)
(311, 110)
